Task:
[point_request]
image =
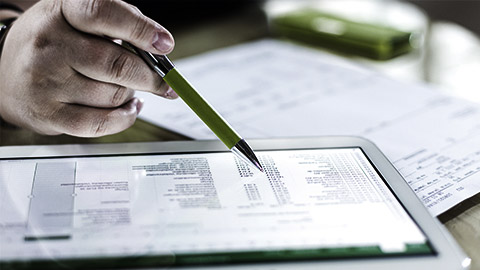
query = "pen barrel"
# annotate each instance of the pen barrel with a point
(202, 108)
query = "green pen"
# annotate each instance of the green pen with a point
(166, 69)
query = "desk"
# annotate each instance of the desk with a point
(463, 221)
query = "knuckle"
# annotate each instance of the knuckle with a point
(121, 95)
(68, 120)
(122, 67)
(100, 126)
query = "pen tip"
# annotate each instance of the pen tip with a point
(243, 151)
(259, 167)
(254, 160)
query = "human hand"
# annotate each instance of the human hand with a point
(60, 74)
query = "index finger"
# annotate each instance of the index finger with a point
(117, 19)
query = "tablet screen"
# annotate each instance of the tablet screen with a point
(202, 208)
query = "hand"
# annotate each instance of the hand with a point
(62, 74)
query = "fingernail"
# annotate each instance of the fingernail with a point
(171, 94)
(140, 103)
(163, 42)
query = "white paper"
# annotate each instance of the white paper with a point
(275, 89)
(198, 203)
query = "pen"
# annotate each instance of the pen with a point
(166, 69)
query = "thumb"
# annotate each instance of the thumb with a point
(117, 19)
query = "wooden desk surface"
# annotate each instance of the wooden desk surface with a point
(463, 221)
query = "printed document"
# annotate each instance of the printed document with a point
(271, 88)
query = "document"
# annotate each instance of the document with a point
(271, 88)
(202, 203)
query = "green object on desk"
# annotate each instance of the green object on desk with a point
(201, 107)
(333, 32)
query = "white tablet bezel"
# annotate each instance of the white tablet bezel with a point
(448, 254)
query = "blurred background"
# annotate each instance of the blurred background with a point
(463, 12)
(446, 52)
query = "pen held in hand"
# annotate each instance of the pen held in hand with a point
(166, 69)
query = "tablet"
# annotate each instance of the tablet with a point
(333, 202)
